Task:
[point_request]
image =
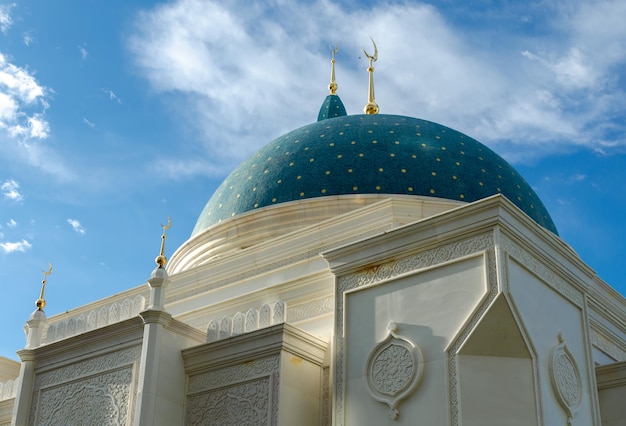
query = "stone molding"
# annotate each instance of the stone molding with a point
(539, 269)
(288, 260)
(607, 346)
(96, 318)
(257, 344)
(439, 255)
(611, 375)
(254, 319)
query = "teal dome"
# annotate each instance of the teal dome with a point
(370, 154)
(331, 107)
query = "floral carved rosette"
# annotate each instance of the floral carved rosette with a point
(565, 377)
(393, 369)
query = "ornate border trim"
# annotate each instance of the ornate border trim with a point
(605, 345)
(543, 272)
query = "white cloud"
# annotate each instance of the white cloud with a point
(78, 228)
(12, 223)
(27, 39)
(83, 51)
(89, 123)
(9, 247)
(112, 96)
(5, 17)
(10, 190)
(245, 72)
(23, 124)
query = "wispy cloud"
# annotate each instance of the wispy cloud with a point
(28, 39)
(530, 96)
(82, 48)
(10, 190)
(9, 247)
(5, 16)
(112, 96)
(12, 223)
(89, 123)
(78, 228)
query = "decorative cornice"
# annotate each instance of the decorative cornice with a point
(612, 375)
(257, 344)
(600, 341)
(546, 274)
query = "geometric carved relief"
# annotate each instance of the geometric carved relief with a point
(99, 390)
(244, 403)
(565, 378)
(238, 323)
(97, 400)
(393, 369)
(241, 394)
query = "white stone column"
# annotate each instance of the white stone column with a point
(155, 321)
(147, 394)
(158, 282)
(35, 327)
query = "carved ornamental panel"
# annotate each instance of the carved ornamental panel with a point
(393, 369)
(95, 391)
(565, 377)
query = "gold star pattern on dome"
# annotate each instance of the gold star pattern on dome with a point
(367, 154)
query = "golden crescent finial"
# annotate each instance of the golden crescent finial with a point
(371, 107)
(168, 226)
(373, 58)
(48, 272)
(41, 302)
(332, 86)
(161, 260)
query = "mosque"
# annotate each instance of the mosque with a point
(361, 270)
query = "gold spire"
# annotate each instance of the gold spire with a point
(161, 260)
(41, 302)
(333, 85)
(371, 107)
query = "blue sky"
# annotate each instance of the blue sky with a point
(116, 115)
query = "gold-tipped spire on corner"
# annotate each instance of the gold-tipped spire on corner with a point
(371, 107)
(161, 260)
(41, 302)
(333, 84)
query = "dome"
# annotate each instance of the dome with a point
(370, 154)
